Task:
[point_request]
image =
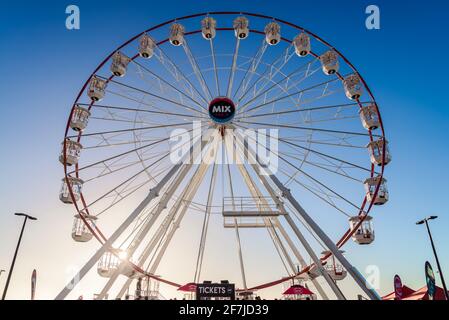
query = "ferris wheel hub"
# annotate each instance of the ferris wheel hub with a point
(221, 110)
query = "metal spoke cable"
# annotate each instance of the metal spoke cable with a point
(196, 69)
(149, 93)
(242, 108)
(282, 56)
(214, 63)
(163, 57)
(234, 64)
(252, 67)
(170, 85)
(205, 227)
(263, 91)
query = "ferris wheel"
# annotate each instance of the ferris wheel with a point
(214, 78)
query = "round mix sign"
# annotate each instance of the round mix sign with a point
(221, 110)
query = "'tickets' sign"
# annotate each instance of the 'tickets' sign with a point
(215, 290)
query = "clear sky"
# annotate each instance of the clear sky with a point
(44, 65)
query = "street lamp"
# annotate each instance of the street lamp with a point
(26, 217)
(425, 221)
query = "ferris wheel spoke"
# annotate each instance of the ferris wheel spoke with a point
(130, 151)
(144, 111)
(321, 166)
(196, 69)
(152, 164)
(309, 176)
(170, 85)
(132, 129)
(288, 95)
(287, 78)
(214, 64)
(296, 102)
(269, 114)
(326, 199)
(127, 180)
(233, 67)
(320, 183)
(325, 155)
(205, 226)
(269, 125)
(177, 74)
(150, 94)
(317, 152)
(253, 64)
(284, 58)
(110, 171)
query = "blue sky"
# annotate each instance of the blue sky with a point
(44, 66)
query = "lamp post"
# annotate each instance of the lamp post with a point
(426, 222)
(26, 217)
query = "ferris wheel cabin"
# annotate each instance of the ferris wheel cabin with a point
(382, 194)
(80, 231)
(364, 234)
(334, 268)
(146, 46)
(273, 33)
(241, 27)
(208, 28)
(79, 119)
(75, 184)
(177, 34)
(376, 150)
(119, 64)
(70, 152)
(369, 117)
(353, 87)
(329, 62)
(97, 89)
(302, 45)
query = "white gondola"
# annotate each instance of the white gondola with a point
(80, 231)
(119, 64)
(108, 264)
(241, 27)
(364, 234)
(329, 62)
(376, 150)
(208, 28)
(75, 184)
(382, 195)
(177, 34)
(80, 118)
(311, 274)
(273, 33)
(369, 117)
(353, 87)
(335, 270)
(72, 152)
(97, 88)
(302, 44)
(146, 46)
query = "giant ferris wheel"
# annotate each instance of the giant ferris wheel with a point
(213, 77)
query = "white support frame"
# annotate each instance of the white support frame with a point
(286, 194)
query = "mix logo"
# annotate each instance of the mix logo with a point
(221, 110)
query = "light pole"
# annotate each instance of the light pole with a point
(17, 249)
(425, 221)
